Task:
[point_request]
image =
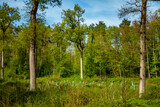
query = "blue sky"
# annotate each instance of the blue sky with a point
(95, 10)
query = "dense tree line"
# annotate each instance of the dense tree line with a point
(104, 51)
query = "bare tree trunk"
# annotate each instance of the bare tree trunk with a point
(142, 47)
(81, 63)
(2, 72)
(32, 46)
(32, 67)
(149, 75)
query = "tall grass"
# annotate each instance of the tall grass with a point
(69, 92)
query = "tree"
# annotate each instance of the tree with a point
(132, 7)
(129, 41)
(76, 30)
(8, 16)
(142, 47)
(60, 46)
(90, 65)
(42, 5)
(103, 46)
(125, 22)
(152, 46)
(115, 50)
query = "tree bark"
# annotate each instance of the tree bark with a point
(81, 63)
(32, 46)
(2, 72)
(142, 47)
(149, 75)
(32, 67)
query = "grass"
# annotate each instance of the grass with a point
(74, 92)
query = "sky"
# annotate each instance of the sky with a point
(95, 10)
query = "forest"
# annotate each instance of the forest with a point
(74, 64)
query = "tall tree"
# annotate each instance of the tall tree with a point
(132, 7)
(8, 16)
(42, 5)
(142, 47)
(76, 29)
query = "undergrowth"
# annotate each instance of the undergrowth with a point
(73, 92)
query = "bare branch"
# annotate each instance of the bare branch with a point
(132, 6)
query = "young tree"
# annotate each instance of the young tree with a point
(76, 30)
(35, 5)
(8, 16)
(129, 48)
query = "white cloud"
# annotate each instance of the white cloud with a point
(108, 21)
(96, 10)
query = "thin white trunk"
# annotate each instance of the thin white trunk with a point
(32, 67)
(81, 63)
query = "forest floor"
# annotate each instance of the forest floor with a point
(73, 92)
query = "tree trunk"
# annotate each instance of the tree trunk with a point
(154, 57)
(32, 46)
(81, 63)
(142, 47)
(149, 75)
(32, 67)
(2, 72)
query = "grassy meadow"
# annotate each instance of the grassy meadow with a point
(53, 91)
